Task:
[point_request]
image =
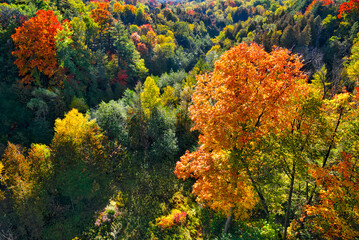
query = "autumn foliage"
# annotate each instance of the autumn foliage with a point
(84, 136)
(218, 184)
(337, 214)
(101, 15)
(176, 217)
(265, 146)
(324, 3)
(35, 43)
(250, 93)
(352, 5)
(345, 7)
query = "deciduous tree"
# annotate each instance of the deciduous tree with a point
(102, 17)
(352, 63)
(348, 7)
(336, 216)
(26, 178)
(150, 96)
(324, 3)
(250, 94)
(36, 48)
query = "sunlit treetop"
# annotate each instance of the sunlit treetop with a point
(101, 14)
(250, 93)
(324, 3)
(36, 47)
(347, 7)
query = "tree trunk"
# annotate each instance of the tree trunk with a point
(229, 219)
(326, 157)
(256, 188)
(286, 221)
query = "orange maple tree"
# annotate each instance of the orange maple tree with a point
(250, 93)
(337, 214)
(36, 47)
(218, 183)
(101, 15)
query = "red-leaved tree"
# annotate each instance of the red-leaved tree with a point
(36, 48)
(346, 7)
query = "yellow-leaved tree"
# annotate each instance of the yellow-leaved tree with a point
(70, 175)
(26, 178)
(150, 96)
(352, 63)
(79, 157)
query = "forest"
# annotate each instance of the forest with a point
(205, 119)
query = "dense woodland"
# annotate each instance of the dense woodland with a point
(215, 119)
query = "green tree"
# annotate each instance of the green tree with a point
(112, 118)
(305, 37)
(128, 56)
(289, 37)
(352, 64)
(162, 136)
(73, 53)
